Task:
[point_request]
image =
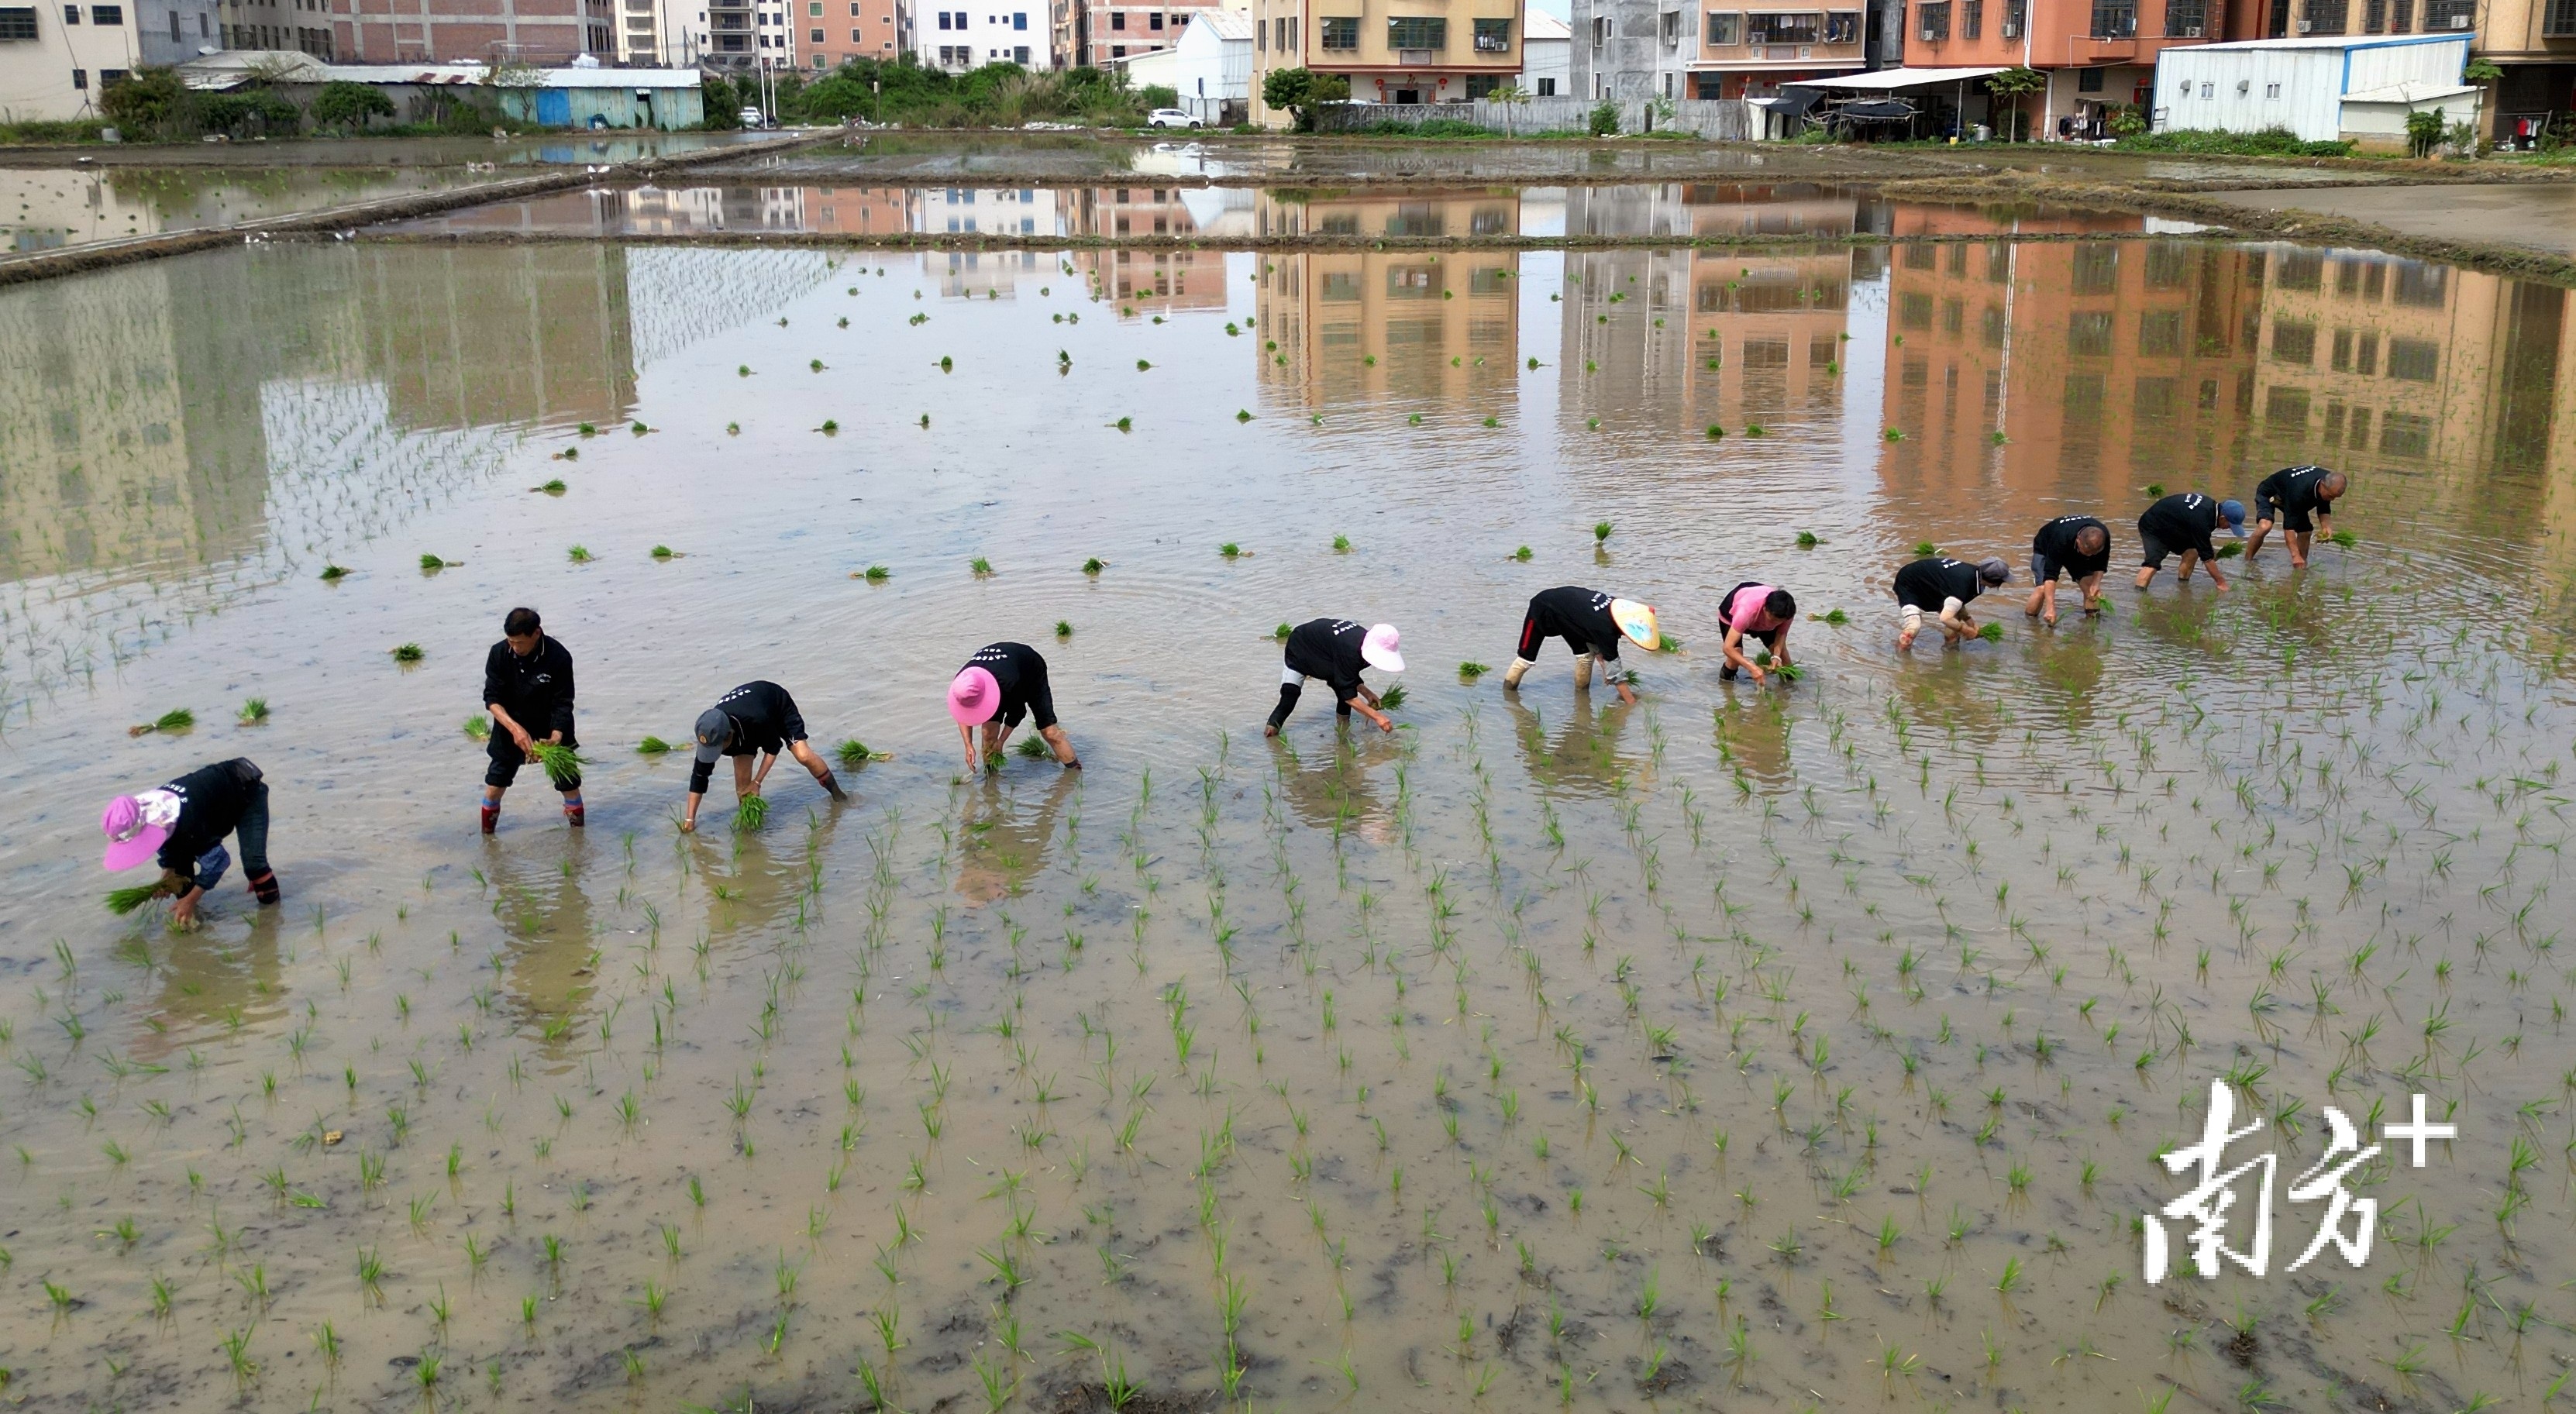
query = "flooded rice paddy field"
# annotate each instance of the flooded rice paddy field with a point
(45, 208)
(1782, 1047)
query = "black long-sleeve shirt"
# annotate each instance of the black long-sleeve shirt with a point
(765, 719)
(2183, 521)
(2055, 546)
(1925, 584)
(535, 690)
(1329, 649)
(2294, 489)
(211, 802)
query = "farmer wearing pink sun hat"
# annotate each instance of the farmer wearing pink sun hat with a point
(1001, 684)
(1336, 650)
(182, 824)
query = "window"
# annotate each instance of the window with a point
(1412, 282)
(2302, 269)
(943, 20)
(2160, 333)
(1152, 21)
(2421, 286)
(1020, 19)
(1972, 19)
(2097, 269)
(1117, 19)
(2114, 19)
(1671, 27)
(1547, 88)
(1020, 55)
(2184, 18)
(2168, 265)
(2015, 12)
(2450, 14)
(71, 16)
(1118, 51)
(817, 36)
(2155, 400)
(1415, 218)
(107, 14)
(1493, 37)
(80, 80)
(2294, 343)
(175, 36)
(2285, 412)
(2558, 21)
(1482, 85)
(2088, 333)
(1726, 29)
(1934, 20)
(2415, 360)
(2089, 80)
(2271, 91)
(1782, 29)
(1842, 27)
(858, 36)
(1341, 32)
(1914, 311)
(17, 23)
(2325, 16)
(2405, 435)
(1417, 32)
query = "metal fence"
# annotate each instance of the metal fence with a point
(1730, 120)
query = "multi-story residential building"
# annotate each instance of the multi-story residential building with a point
(2099, 55)
(1441, 51)
(541, 32)
(1350, 325)
(1093, 32)
(838, 31)
(1626, 49)
(55, 58)
(2534, 42)
(176, 31)
(962, 39)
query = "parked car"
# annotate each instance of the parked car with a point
(752, 118)
(1171, 118)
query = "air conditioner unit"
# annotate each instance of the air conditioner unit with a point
(2011, 30)
(2191, 32)
(2306, 25)
(2459, 22)
(1929, 36)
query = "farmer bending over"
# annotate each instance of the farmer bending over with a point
(755, 719)
(2290, 496)
(1762, 612)
(1336, 650)
(2181, 524)
(1943, 586)
(1002, 683)
(2078, 547)
(182, 823)
(1591, 623)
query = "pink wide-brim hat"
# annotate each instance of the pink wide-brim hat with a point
(973, 697)
(130, 841)
(1383, 649)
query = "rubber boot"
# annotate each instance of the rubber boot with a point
(832, 786)
(574, 814)
(1512, 675)
(491, 817)
(1583, 672)
(263, 886)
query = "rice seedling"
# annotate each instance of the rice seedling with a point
(333, 574)
(478, 728)
(665, 552)
(751, 812)
(554, 487)
(1230, 550)
(1991, 633)
(1522, 554)
(126, 900)
(1392, 698)
(979, 567)
(854, 752)
(431, 564)
(1600, 532)
(652, 746)
(176, 720)
(253, 712)
(1808, 540)
(1094, 565)
(1064, 628)
(2344, 539)
(1472, 670)
(579, 554)
(408, 653)
(1341, 544)
(831, 427)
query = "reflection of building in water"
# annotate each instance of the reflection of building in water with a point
(1146, 281)
(1413, 323)
(2102, 363)
(1005, 211)
(475, 335)
(1689, 337)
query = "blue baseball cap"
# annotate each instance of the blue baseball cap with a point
(2233, 512)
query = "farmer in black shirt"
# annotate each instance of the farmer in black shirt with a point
(755, 719)
(527, 687)
(2078, 547)
(2290, 496)
(1943, 586)
(1336, 650)
(2180, 525)
(1591, 623)
(182, 824)
(1001, 684)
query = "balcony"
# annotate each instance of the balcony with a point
(1492, 44)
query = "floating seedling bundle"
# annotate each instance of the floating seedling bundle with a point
(176, 720)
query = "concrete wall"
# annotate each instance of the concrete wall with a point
(1727, 120)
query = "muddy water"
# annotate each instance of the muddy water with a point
(58, 206)
(1802, 1047)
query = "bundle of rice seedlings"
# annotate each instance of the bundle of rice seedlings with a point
(552, 488)
(253, 712)
(1666, 643)
(409, 653)
(665, 552)
(1522, 554)
(478, 727)
(1391, 699)
(1925, 549)
(176, 720)
(563, 764)
(1032, 747)
(1281, 633)
(333, 574)
(2344, 539)
(1992, 633)
(1600, 531)
(855, 752)
(1807, 540)
(652, 746)
(124, 901)
(433, 562)
(1094, 565)
(1790, 672)
(751, 813)
(580, 554)
(2230, 550)
(1473, 670)
(1836, 617)
(1064, 628)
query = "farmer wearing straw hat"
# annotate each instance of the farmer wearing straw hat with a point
(182, 823)
(755, 719)
(2290, 496)
(1944, 586)
(1762, 612)
(1591, 623)
(1001, 684)
(2180, 524)
(1336, 650)
(527, 688)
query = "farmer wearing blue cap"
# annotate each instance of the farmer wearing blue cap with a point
(2181, 525)
(755, 719)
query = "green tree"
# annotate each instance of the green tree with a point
(2423, 132)
(148, 102)
(1301, 91)
(2013, 85)
(1605, 120)
(346, 105)
(1158, 95)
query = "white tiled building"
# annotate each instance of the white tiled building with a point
(968, 34)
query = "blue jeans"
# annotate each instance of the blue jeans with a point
(251, 833)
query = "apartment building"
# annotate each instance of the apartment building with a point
(1438, 51)
(838, 31)
(1625, 49)
(540, 32)
(1351, 325)
(54, 58)
(2534, 42)
(1095, 32)
(962, 39)
(2099, 55)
